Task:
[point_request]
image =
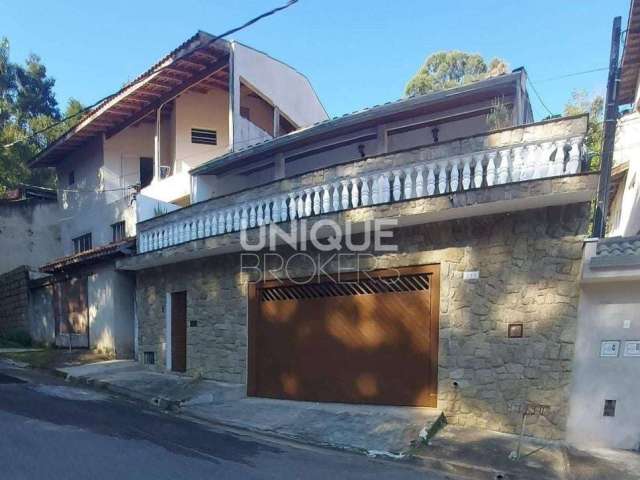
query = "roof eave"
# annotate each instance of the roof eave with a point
(350, 121)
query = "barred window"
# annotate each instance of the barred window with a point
(82, 243)
(118, 230)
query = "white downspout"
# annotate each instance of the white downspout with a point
(156, 144)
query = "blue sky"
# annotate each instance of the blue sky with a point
(357, 53)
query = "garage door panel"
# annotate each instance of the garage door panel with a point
(360, 348)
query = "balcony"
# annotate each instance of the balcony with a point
(514, 169)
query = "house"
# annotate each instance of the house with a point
(128, 159)
(607, 358)
(473, 312)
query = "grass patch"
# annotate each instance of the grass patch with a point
(49, 358)
(5, 343)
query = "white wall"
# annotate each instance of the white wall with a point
(122, 154)
(199, 110)
(625, 214)
(29, 234)
(111, 313)
(100, 197)
(602, 311)
(148, 207)
(278, 83)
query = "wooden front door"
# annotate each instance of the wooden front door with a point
(367, 339)
(179, 331)
(72, 312)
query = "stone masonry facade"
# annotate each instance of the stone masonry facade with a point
(14, 300)
(529, 264)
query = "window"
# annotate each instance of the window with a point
(72, 178)
(204, 136)
(82, 243)
(149, 358)
(119, 231)
(609, 408)
(146, 171)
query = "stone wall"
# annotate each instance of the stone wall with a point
(528, 262)
(14, 300)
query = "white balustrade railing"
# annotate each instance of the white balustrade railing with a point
(460, 173)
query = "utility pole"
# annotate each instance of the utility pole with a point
(610, 121)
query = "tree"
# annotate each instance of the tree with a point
(450, 69)
(581, 102)
(27, 105)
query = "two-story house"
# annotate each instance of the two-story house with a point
(473, 308)
(129, 158)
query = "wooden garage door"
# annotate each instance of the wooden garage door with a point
(367, 338)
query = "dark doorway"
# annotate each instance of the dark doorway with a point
(179, 331)
(146, 171)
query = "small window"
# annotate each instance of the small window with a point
(82, 243)
(146, 171)
(149, 358)
(204, 136)
(72, 178)
(119, 231)
(609, 408)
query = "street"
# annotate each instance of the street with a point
(52, 429)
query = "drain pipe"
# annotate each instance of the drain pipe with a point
(156, 145)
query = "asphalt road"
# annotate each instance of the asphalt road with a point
(51, 430)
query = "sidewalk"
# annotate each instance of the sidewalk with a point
(376, 430)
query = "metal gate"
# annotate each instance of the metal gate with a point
(365, 338)
(72, 312)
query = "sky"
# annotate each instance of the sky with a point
(357, 53)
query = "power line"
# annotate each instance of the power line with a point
(574, 74)
(201, 47)
(539, 97)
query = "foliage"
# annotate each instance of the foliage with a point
(27, 105)
(500, 114)
(582, 102)
(450, 69)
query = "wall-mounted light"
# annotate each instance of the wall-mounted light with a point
(515, 330)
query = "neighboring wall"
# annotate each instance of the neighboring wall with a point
(609, 310)
(528, 262)
(111, 310)
(41, 314)
(29, 233)
(14, 299)
(91, 205)
(603, 311)
(625, 214)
